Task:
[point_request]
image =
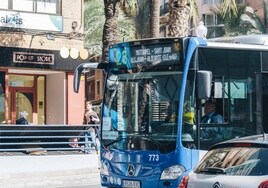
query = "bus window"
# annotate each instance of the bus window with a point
(265, 103)
(233, 101)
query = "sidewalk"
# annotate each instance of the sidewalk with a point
(28, 171)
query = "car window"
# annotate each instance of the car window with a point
(238, 161)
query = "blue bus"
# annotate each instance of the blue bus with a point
(155, 93)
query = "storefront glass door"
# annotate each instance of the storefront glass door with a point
(22, 97)
(21, 101)
(26, 93)
(24, 102)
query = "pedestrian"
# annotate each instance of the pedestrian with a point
(22, 120)
(92, 118)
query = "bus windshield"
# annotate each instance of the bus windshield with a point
(139, 111)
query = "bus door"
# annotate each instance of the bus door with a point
(262, 103)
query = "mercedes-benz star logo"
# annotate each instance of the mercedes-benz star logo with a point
(130, 170)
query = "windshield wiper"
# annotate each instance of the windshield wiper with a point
(213, 170)
(115, 141)
(160, 145)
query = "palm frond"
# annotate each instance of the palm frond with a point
(194, 12)
(94, 20)
(129, 7)
(228, 7)
(93, 25)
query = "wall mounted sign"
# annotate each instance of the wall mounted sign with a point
(36, 21)
(35, 58)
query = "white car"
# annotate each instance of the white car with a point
(237, 163)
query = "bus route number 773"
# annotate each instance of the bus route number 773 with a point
(153, 157)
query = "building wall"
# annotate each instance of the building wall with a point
(55, 99)
(63, 106)
(76, 102)
(258, 6)
(72, 10)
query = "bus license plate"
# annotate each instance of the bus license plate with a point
(131, 184)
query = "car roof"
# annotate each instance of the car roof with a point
(260, 140)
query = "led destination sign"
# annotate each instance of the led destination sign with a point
(35, 58)
(163, 53)
(131, 54)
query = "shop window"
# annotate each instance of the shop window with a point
(4, 4)
(23, 5)
(21, 81)
(209, 19)
(38, 6)
(50, 7)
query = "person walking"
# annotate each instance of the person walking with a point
(92, 118)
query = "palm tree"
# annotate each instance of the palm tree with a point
(194, 15)
(229, 9)
(110, 28)
(179, 17)
(239, 19)
(95, 21)
(180, 13)
(155, 18)
(143, 19)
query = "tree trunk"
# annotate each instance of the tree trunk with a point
(143, 19)
(155, 18)
(110, 29)
(179, 17)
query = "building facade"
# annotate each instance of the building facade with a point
(206, 10)
(41, 45)
(207, 14)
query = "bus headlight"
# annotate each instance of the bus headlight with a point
(172, 172)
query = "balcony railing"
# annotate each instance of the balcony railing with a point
(42, 139)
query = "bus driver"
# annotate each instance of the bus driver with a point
(211, 116)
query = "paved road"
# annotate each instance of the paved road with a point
(68, 179)
(49, 171)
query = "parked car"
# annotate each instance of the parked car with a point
(237, 163)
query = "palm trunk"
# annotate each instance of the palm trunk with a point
(110, 29)
(155, 18)
(179, 17)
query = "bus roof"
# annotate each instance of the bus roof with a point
(225, 45)
(257, 39)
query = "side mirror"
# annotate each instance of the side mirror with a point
(204, 83)
(79, 71)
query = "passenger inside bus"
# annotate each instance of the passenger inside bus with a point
(211, 116)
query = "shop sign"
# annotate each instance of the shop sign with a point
(34, 58)
(24, 20)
